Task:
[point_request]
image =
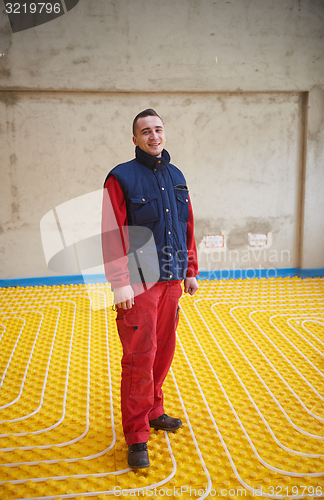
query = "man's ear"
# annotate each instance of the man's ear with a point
(134, 140)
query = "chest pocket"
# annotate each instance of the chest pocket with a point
(182, 196)
(144, 209)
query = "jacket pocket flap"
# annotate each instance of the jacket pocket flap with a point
(142, 199)
(135, 319)
(183, 197)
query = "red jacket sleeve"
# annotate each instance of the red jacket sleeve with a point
(192, 270)
(114, 234)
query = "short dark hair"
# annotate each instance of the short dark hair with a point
(143, 114)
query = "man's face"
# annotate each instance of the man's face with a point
(149, 135)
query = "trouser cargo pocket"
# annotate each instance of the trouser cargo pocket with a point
(133, 333)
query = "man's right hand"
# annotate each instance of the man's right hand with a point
(124, 297)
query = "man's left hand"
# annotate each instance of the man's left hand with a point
(190, 285)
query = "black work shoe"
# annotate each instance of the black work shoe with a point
(166, 423)
(138, 456)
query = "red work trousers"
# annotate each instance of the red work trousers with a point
(147, 334)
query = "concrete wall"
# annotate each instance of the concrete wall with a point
(138, 46)
(239, 85)
(313, 213)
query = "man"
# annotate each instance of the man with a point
(149, 196)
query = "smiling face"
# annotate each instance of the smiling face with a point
(149, 135)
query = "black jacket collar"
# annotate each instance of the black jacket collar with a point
(150, 161)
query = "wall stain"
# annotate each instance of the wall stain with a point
(202, 120)
(5, 44)
(81, 60)
(14, 190)
(316, 113)
(6, 32)
(238, 237)
(204, 226)
(9, 98)
(5, 72)
(13, 158)
(15, 208)
(223, 103)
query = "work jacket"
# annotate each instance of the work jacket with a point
(157, 202)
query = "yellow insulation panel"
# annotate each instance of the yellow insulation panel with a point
(246, 380)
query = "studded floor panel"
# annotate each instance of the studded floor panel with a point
(247, 382)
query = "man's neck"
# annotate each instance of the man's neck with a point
(160, 155)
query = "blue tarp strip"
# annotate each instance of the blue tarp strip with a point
(204, 275)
